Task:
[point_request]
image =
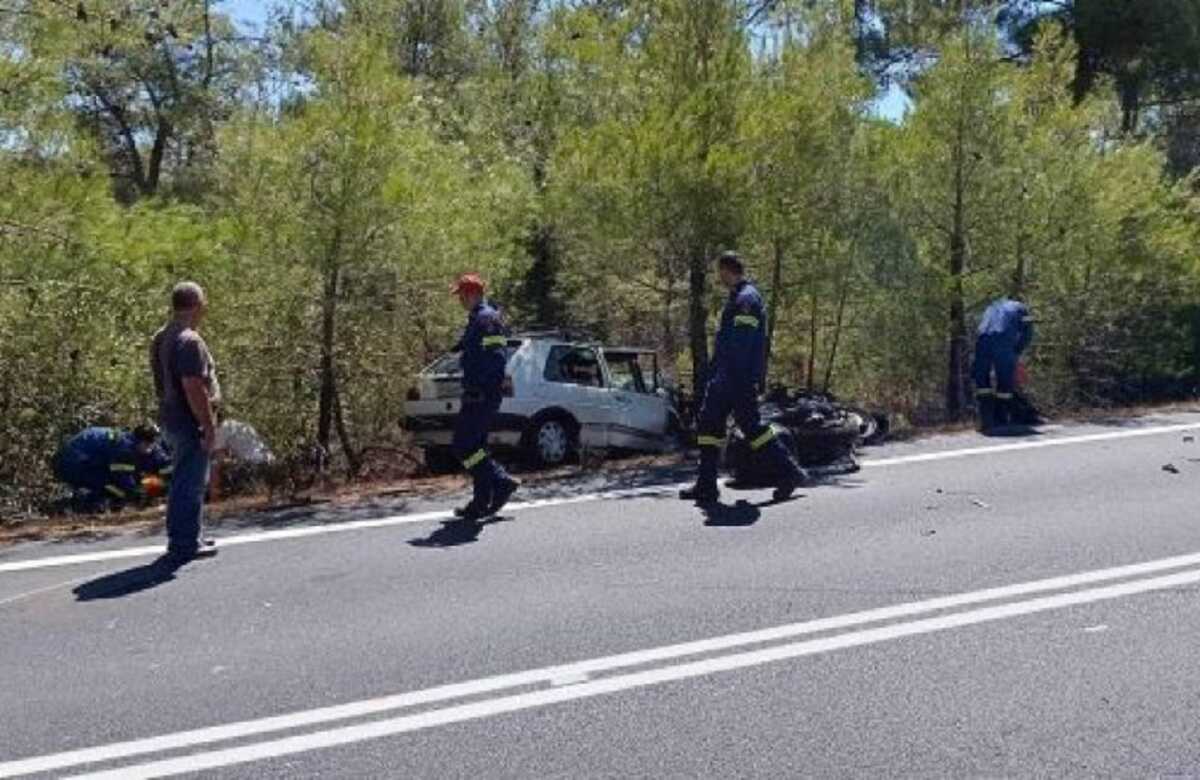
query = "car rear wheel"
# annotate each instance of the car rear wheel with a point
(550, 440)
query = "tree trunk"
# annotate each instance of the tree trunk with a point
(353, 458)
(668, 324)
(773, 308)
(154, 172)
(958, 318)
(328, 375)
(843, 295)
(815, 304)
(1022, 272)
(698, 321)
(1131, 103)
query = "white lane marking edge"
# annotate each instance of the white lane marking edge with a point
(573, 670)
(1092, 438)
(456, 714)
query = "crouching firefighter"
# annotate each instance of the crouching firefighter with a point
(737, 371)
(109, 464)
(1005, 332)
(484, 348)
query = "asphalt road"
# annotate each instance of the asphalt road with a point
(962, 607)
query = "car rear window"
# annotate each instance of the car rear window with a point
(574, 366)
(450, 364)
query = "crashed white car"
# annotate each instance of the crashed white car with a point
(564, 394)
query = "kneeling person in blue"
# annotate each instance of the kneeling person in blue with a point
(108, 464)
(1005, 332)
(484, 348)
(737, 372)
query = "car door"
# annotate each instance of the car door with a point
(575, 381)
(640, 414)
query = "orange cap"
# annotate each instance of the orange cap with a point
(468, 283)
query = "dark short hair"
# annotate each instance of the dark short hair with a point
(731, 261)
(186, 295)
(146, 433)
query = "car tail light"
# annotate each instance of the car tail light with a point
(507, 388)
(414, 394)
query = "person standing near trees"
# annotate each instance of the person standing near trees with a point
(1005, 332)
(484, 348)
(185, 380)
(737, 373)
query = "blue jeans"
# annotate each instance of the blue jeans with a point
(189, 483)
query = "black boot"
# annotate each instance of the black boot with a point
(481, 498)
(795, 478)
(1003, 416)
(701, 494)
(502, 492)
(475, 510)
(794, 475)
(987, 413)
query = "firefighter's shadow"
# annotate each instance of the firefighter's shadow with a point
(130, 581)
(455, 533)
(741, 514)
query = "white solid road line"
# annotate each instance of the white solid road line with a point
(580, 670)
(425, 517)
(930, 457)
(522, 701)
(314, 530)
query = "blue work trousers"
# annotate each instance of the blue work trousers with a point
(995, 353)
(720, 400)
(80, 474)
(471, 430)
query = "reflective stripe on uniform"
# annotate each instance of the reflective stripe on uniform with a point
(763, 440)
(1005, 396)
(491, 342)
(166, 471)
(127, 468)
(475, 460)
(984, 392)
(710, 441)
(114, 490)
(746, 320)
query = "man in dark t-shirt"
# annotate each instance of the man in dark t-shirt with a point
(185, 379)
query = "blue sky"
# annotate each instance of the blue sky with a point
(892, 104)
(253, 12)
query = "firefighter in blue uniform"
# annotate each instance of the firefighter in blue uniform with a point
(1005, 332)
(108, 464)
(484, 348)
(737, 372)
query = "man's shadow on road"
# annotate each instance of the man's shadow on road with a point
(739, 515)
(742, 514)
(455, 533)
(126, 583)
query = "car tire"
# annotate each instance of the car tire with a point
(440, 461)
(551, 439)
